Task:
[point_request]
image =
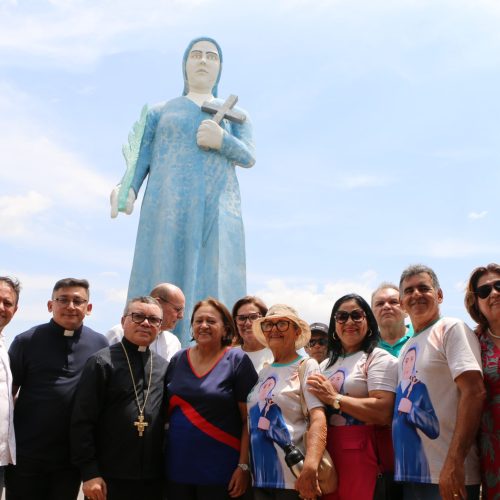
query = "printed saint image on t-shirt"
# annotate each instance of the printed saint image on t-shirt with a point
(413, 411)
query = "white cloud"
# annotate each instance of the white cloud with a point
(110, 274)
(33, 283)
(79, 32)
(38, 161)
(76, 33)
(313, 302)
(18, 213)
(456, 248)
(116, 295)
(477, 215)
(34, 161)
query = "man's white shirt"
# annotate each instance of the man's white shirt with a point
(165, 345)
(7, 438)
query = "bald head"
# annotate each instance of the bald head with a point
(172, 302)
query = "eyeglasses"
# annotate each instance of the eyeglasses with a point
(484, 291)
(242, 319)
(282, 325)
(139, 318)
(321, 342)
(177, 309)
(357, 316)
(65, 301)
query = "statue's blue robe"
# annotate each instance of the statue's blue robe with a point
(190, 229)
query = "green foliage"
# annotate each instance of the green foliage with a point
(131, 153)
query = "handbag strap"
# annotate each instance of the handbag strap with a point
(369, 359)
(302, 374)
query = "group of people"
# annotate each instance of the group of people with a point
(250, 408)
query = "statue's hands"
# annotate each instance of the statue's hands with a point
(113, 198)
(209, 135)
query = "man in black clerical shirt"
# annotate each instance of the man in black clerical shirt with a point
(119, 412)
(46, 362)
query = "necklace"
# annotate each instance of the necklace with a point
(139, 423)
(493, 335)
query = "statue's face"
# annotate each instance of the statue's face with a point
(202, 67)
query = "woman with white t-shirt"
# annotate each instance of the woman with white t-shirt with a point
(358, 384)
(277, 423)
(245, 311)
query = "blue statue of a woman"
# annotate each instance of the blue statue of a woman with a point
(190, 229)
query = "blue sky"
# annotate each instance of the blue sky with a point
(376, 125)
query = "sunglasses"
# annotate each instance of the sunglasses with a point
(357, 316)
(321, 342)
(484, 291)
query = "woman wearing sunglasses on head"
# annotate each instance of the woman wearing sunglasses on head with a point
(482, 300)
(358, 385)
(245, 311)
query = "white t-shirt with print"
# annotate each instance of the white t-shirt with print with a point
(259, 358)
(358, 373)
(278, 388)
(427, 399)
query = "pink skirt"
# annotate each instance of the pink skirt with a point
(353, 451)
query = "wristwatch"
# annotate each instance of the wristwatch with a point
(337, 400)
(244, 467)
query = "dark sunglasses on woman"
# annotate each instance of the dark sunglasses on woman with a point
(484, 291)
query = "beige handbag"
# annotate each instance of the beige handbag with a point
(327, 474)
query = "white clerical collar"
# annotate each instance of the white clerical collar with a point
(69, 333)
(142, 348)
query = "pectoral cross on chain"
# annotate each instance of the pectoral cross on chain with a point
(141, 425)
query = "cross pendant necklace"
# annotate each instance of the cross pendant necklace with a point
(140, 423)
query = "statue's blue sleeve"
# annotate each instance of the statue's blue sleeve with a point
(237, 144)
(145, 152)
(422, 414)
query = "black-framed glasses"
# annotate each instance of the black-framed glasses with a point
(357, 316)
(139, 318)
(321, 342)
(177, 309)
(66, 301)
(243, 318)
(281, 325)
(483, 291)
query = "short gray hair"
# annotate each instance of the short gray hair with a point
(13, 283)
(418, 269)
(384, 285)
(145, 299)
